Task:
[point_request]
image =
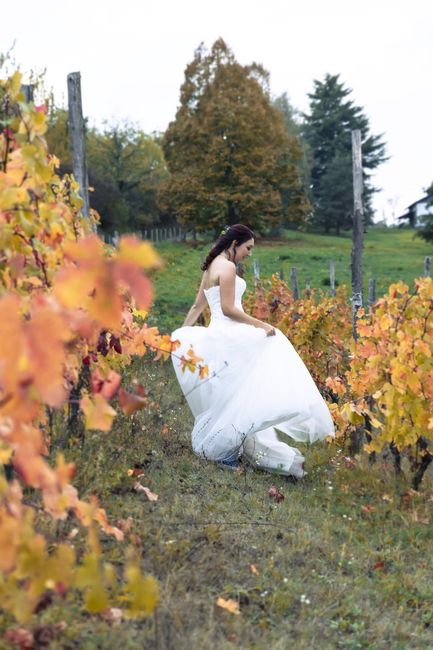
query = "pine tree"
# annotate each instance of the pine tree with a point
(230, 157)
(327, 130)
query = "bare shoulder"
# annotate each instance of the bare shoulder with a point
(219, 269)
(227, 269)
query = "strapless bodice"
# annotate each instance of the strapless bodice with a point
(213, 297)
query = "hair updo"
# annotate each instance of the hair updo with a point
(238, 233)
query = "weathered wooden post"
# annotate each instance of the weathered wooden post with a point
(332, 277)
(77, 136)
(308, 286)
(357, 435)
(357, 232)
(371, 291)
(427, 263)
(256, 269)
(28, 91)
(294, 282)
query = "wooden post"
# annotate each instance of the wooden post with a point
(357, 233)
(28, 91)
(294, 282)
(256, 269)
(76, 131)
(308, 287)
(332, 277)
(371, 291)
(427, 262)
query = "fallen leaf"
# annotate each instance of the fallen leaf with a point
(253, 569)
(379, 565)
(113, 615)
(230, 605)
(274, 493)
(125, 525)
(368, 508)
(141, 488)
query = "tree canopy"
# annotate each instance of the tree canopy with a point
(327, 130)
(126, 168)
(229, 154)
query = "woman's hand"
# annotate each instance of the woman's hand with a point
(269, 329)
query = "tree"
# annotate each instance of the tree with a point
(228, 152)
(327, 130)
(126, 168)
(293, 123)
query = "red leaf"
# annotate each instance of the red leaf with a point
(129, 402)
(379, 565)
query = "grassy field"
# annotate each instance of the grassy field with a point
(344, 561)
(389, 255)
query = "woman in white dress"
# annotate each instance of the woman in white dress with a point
(259, 393)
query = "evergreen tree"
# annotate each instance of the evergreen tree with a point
(230, 157)
(293, 123)
(327, 130)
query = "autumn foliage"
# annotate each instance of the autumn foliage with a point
(383, 382)
(69, 305)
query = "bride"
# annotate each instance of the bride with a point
(258, 394)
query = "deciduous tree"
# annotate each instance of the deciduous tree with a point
(229, 154)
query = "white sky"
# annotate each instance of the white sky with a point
(132, 55)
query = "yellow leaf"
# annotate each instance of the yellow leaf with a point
(12, 196)
(99, 414)
(230, 605)
(96, 599)
(140, 313)
(141, 592)
(5, 453)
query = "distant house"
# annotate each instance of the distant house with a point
(416, 212)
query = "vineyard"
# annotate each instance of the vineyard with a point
(111, 532)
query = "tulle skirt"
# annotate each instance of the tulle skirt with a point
(258, 395)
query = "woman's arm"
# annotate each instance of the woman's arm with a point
(200, 303)
(227, 290)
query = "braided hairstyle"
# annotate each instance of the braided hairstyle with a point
(238, 233)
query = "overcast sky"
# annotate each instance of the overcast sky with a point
(132, 55)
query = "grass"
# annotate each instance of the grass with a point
(390, 255)
(343, 562)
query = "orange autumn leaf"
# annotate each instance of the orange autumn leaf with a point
(139, 252)
(204, 372)
(98, 413)
(131, 402)
(105, 386)
(229, 605)
(27, 362)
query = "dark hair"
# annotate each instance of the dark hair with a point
(238, 233)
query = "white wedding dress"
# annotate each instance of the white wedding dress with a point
(257, 386)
